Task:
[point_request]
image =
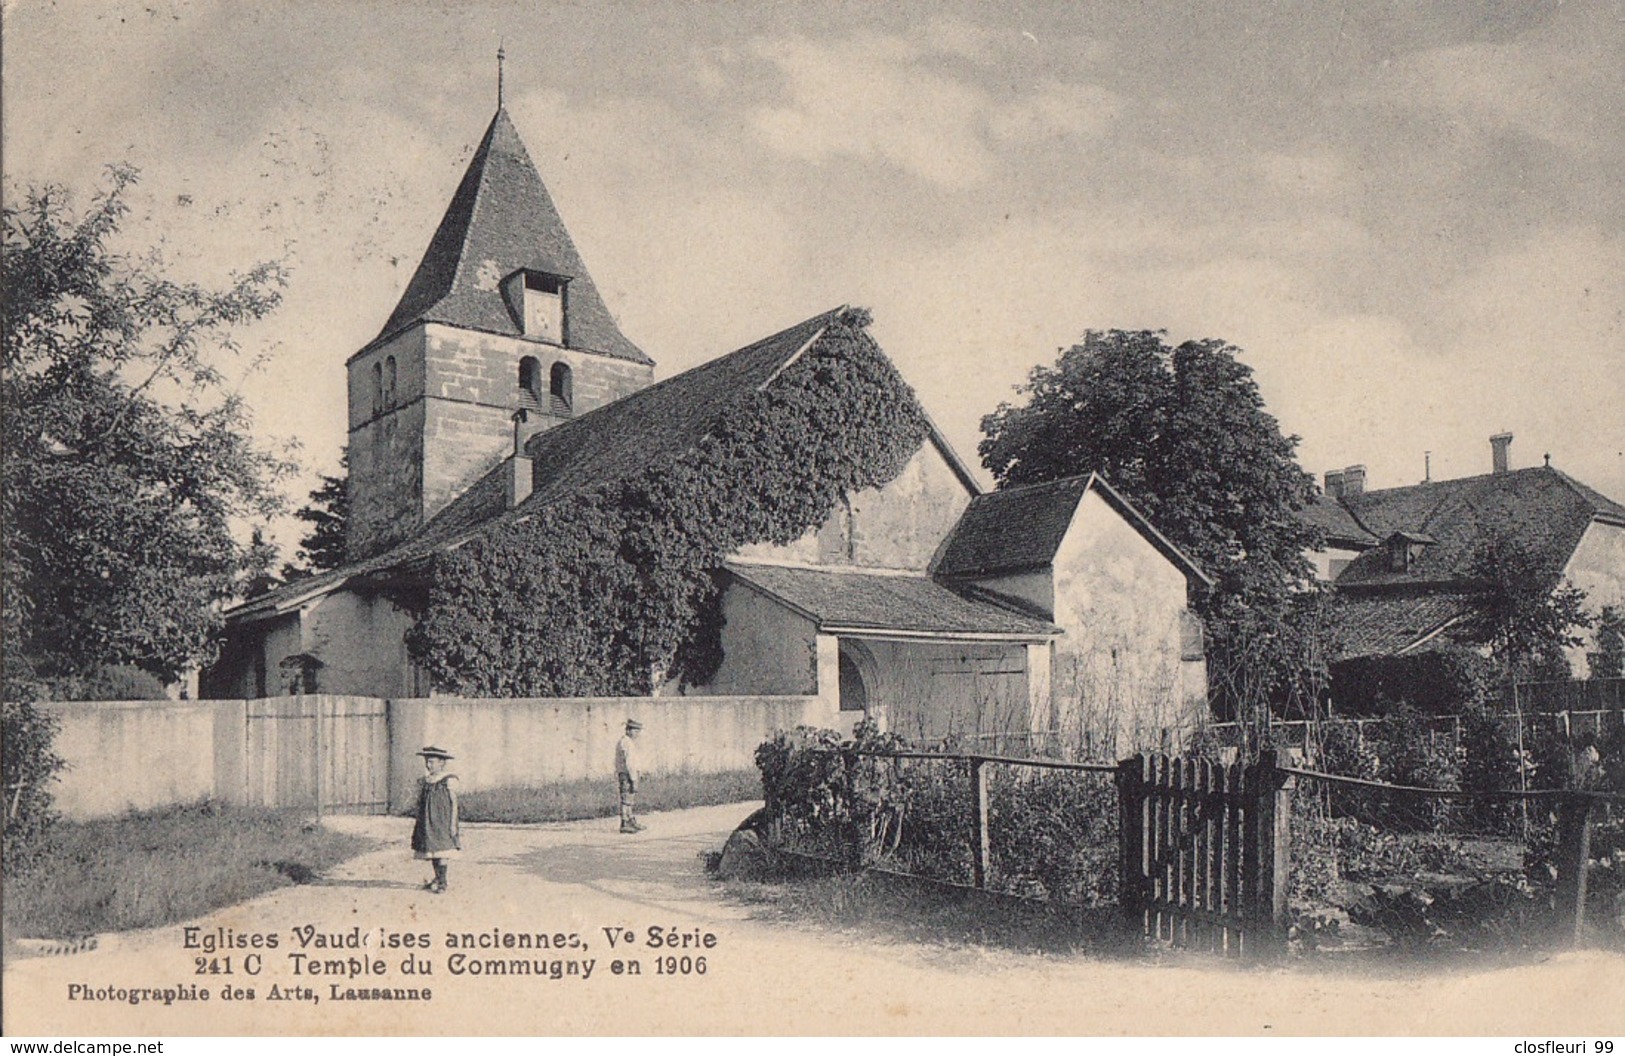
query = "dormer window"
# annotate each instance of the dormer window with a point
(1404, 548)
(536, 299)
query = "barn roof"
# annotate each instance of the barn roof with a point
(1021, 528)
(1394, 624)
(875, 602)
(502, 219)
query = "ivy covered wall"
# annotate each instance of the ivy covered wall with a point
(612, 589)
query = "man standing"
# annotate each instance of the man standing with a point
(626, 775)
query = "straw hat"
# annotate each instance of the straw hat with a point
(431, 752)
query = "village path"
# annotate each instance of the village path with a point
(762, 977)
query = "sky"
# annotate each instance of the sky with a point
(1410, 217)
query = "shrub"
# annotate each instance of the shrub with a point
(30, 767)
(1052, 835)
(108, 682)
(1444, 681)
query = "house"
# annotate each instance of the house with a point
(1402, 559)
(501, 384)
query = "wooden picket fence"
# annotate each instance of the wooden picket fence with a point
(1205, 852)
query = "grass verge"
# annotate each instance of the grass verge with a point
(912, 910)
(600, 799)
(156, 867)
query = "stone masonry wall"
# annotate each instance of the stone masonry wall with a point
(472, 387)
(450, 420)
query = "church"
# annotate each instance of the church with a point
(501, 383)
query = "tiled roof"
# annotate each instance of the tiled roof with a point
(1012, 529)
(1337, 522)
(1021, 528)
(605, 445)
(853, 600)
(1387, 624)
(661, 421)
(1546, 509)
(501, 219)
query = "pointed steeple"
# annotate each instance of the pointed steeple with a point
(501, 220)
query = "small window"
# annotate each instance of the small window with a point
(1190, 636)
(559, 389)
(377, 388)
(530, 381)
(390, 373)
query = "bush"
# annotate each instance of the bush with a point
(108, 682)
(1052, 835)
(30, 767)
(1444, 681)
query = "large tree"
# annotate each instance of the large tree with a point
(127, 454)
(1183, 432)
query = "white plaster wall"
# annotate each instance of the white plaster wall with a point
(1598, 568)
(361, 642)
(136, 755)
(766, 648)
(1323, 559)
(899, 525)
(532, 743)
(1118, 679)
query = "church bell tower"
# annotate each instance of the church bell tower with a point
(500, 324)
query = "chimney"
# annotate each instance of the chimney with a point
(1353, 481)
(1499, 454)
(518, 479)
(1334, 483)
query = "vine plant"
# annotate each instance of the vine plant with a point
(612, 590)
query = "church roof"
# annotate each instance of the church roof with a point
(605, 445)
(502, 219)
(856, 601)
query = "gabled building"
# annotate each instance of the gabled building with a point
(501, 384)
(1402, 559)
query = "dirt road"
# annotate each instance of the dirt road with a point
(544, 884)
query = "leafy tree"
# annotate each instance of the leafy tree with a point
(1608, 659)
(328, 513)
(126, 454)
(1524, 612)
(1183, 432)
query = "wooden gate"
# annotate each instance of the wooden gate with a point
(326, 753)
(1206, 852)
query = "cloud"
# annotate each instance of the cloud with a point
(912, 103)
